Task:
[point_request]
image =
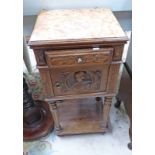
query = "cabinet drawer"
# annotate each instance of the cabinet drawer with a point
(79, 57)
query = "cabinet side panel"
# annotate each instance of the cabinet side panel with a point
(47, 84)
(113, 78)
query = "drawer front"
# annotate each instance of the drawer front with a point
(79, 57)
(77, 80)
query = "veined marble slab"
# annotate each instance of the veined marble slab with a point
(56, 25)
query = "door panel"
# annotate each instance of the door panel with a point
(77, 80)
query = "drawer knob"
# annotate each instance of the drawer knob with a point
(58, 84)
(79, 60)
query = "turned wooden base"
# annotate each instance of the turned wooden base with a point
(80, 116)
(42, 127)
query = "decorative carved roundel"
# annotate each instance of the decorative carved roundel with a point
(81, 80)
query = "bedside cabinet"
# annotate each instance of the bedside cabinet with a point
(78, 54)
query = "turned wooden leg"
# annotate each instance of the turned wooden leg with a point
(99, 103)
(130, 145)
(55, 116)
(118, 102)
(130, 134)
(106, 110)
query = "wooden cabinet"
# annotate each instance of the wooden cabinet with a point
(78, 54)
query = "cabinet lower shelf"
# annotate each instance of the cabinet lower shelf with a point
(80, 116)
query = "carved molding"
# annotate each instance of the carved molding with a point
(40, 57)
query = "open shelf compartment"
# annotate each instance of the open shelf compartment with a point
(80, 116)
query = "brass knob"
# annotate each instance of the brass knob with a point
(79, 60)
(57, 84)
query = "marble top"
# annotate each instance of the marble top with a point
(56, 25)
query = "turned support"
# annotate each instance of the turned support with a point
(99, 103)
(55, 116)
(130, 134)
(106, 110)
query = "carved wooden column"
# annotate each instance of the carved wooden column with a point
(55, 115)
(106, 110)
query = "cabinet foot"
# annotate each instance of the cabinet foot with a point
(130, 145)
